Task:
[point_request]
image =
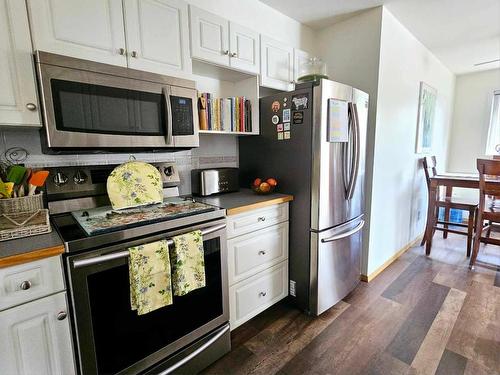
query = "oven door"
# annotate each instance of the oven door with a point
(111, 338)
(89, 110)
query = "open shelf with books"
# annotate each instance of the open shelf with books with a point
(229, 107)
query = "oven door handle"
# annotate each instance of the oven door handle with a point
(166, 95)
(125, 253)
(195, 353)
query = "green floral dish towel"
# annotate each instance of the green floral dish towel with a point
(188, 263)
(150, 278)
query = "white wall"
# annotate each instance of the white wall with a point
(471, 118)
(351, 51)
(399, 196)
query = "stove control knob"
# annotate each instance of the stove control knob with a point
(80, 177)
(169, 171)
(60, 178)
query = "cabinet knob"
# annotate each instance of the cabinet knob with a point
(226, 52)
(234, 54)
(261, 218)
(262, 294)
(134, 54)
(262, 252)
(25, 285)
(62, 315)
(122, 51)
(31, 106)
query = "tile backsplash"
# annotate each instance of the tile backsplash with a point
(214, 151)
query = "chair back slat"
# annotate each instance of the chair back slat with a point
(488, 170)
(429, 165)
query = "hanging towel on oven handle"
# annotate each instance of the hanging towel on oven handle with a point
(188, 263)
(150, 277)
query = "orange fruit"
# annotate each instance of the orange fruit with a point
(264, 187)
(257, 182)
(272, 181)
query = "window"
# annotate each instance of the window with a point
(493, 141)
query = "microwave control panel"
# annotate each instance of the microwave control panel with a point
(182, 115)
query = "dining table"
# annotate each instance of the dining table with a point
(449, 181)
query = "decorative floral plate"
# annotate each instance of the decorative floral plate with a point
(134, 184)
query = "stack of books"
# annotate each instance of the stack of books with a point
(232, 114)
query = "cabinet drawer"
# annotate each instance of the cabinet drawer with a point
(29, 281)
(254, 252)
(256, 219)
(252, 296)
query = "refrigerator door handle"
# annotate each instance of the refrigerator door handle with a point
(355, 158)
(345, 234)
(346, 155)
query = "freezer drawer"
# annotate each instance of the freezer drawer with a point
(336, 256)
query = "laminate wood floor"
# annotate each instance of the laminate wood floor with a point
(422, 315)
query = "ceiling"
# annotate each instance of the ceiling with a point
(460, 33)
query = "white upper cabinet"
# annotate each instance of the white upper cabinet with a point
(209, 36)
(244, 48)
(35, 338)
(18, 98)
(276, 64)
(300, 57)
(90, 29)
(157, 35)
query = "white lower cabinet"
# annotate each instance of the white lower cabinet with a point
(35, 338)
(258, 261)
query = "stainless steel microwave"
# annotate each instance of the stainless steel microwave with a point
(89, 106)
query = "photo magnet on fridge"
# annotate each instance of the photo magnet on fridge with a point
(275, 119)
(279, 127)
(286, 126)
(286, 115)
(300, 101)
(298, 117)
(275, 106)
(280, 136)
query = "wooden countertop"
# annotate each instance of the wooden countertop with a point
(27, 249)
(244, 200)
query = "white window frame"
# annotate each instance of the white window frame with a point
(493, 140)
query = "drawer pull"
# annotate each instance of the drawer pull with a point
(25, 285)
(261, 218)
(262, 252)
(262, 294)
(62, 315)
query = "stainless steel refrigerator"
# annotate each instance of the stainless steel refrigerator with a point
(312, 140)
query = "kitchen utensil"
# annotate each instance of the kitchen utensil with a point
(23, 186)
(7, 189)
(37, 179)
(134, 184)
(15, 174)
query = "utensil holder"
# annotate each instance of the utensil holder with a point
(29, 203)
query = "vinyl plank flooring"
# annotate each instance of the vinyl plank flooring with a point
(476, 334)
(451, 364)
(421, 316)
(428, 357)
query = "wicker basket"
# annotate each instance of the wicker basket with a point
(24, 224)
(29, 203)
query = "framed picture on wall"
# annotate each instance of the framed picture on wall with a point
(425, 119)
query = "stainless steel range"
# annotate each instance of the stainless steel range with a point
(109, 337)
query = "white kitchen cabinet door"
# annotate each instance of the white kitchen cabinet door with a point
(244, 48)
(157, 35)
(90, 29)
(276, 64)
(299, 57)
(33, 341)
(209, 36)
(18, 98)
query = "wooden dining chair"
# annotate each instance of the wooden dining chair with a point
(448, 202)
(488, 170)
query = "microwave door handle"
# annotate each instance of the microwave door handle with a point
(166, 96)
(125, 253)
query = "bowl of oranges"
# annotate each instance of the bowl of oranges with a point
(264, 186)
